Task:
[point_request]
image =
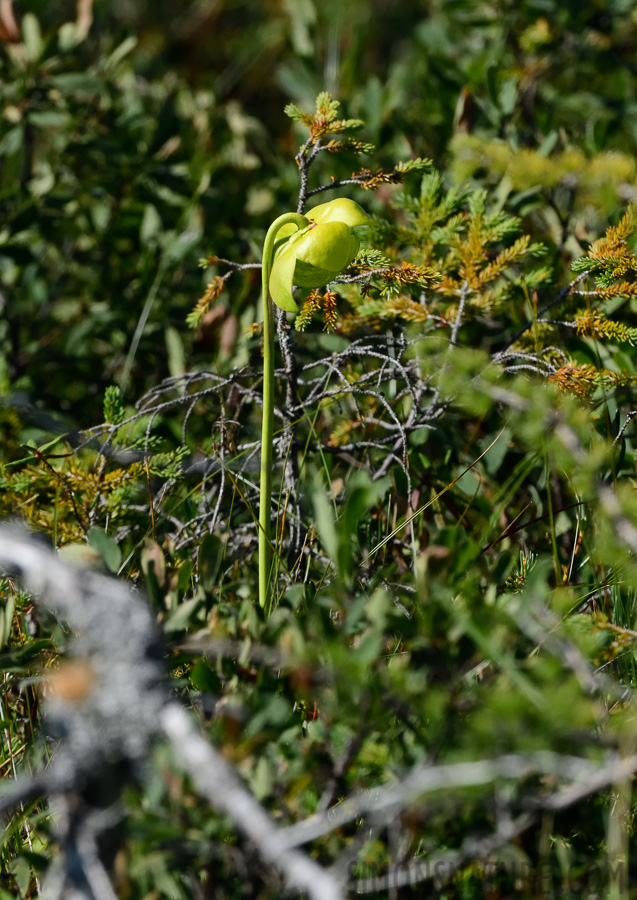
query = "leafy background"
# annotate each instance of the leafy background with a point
(462, 582)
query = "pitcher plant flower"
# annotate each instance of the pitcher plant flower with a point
(313, 256)
(309, 251)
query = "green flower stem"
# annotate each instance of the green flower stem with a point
(267, 428)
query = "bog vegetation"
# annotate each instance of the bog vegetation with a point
(440, 697)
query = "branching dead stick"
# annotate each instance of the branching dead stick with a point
(464, 296)
(291, 476)
(629, 417)
(304, 160)
(235, 265)
(361, 179)
(365, 276)
(557, 299)
(218, 783)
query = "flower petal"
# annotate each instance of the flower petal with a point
(339, 210)
(306, 275)
(330, 246)
(282, 279)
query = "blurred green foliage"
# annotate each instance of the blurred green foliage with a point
(464, 585)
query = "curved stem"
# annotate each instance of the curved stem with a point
(267, 427)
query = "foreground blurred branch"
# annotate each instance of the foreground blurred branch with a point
(107, 707)
(386, 802)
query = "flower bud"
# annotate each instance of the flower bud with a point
(315, 255)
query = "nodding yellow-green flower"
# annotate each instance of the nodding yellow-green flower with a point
(318, 253)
